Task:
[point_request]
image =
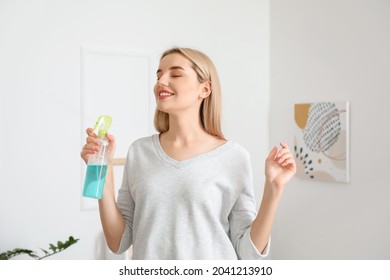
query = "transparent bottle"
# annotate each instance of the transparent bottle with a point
(97, 163)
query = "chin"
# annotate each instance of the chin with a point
(162, 109)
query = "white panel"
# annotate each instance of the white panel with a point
(115, 83)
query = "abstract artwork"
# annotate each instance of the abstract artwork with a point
(321, 147)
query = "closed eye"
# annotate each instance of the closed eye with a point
(173, 76)
(175, 72)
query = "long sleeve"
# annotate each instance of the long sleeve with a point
(242, 216)
(126, 205)
(198, 208)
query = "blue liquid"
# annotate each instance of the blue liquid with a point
(94, 181)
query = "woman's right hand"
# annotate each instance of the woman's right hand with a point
(92, 146)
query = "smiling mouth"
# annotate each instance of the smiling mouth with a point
(163, 94)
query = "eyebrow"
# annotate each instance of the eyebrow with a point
(172, 68)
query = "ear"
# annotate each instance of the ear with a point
(206, 89)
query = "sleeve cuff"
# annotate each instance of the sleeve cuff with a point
(249, 251)
(125, 241)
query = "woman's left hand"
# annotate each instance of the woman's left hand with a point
(280, 167)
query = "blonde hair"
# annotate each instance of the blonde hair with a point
(210, 108)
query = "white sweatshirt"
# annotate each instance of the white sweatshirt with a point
(199, 208)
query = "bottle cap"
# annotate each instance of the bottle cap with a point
(103, 124)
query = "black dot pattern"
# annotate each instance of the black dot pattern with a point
(323, 127)
(306, 161)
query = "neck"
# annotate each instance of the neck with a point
(185, 128)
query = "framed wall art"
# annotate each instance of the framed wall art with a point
(321, 145)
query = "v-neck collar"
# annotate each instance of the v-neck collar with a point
(182, 163)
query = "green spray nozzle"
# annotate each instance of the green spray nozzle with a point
(103, 124)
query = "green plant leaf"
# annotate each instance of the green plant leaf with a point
(56, 249)
(46, 252)
(53, 248)
(3, 256)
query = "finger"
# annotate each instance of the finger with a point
(85, 152)
(110, 137)
(284, 146)
(289, 164)
(92, 140)
(273, 152)
(283, 158)
(90, 132)
(92, 147)
(283, 152)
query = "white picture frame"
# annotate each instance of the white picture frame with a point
(117, 83)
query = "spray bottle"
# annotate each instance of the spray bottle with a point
(97, 163)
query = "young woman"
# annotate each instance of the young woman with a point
(187, 192)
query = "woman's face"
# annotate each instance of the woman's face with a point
(177, 88)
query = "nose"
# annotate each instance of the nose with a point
(163, 80)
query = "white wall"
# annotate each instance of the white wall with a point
(337, 51)
(40, 97)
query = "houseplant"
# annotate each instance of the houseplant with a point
(53, 249)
